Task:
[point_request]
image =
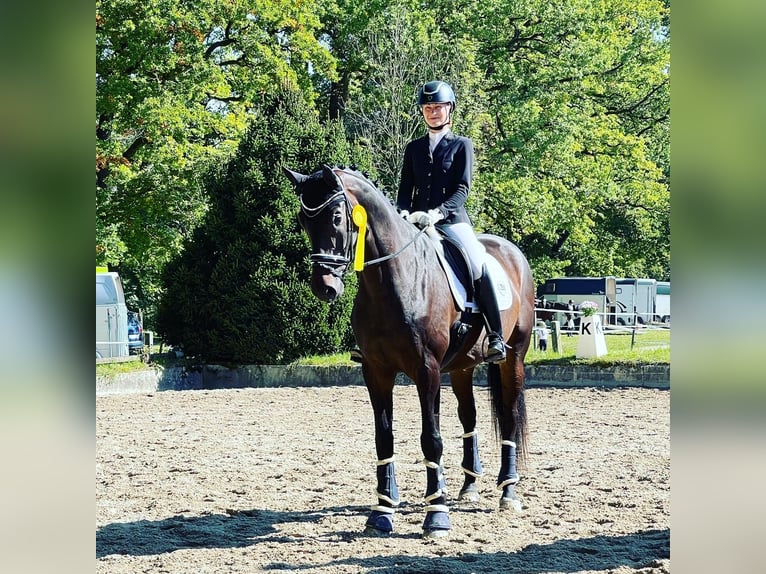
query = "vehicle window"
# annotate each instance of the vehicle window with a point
(106, 293)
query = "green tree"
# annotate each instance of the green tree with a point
(575, 160)
(175, 82)
(405, 49)
(239, 293)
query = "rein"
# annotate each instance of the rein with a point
(392, 255)
(333, 262)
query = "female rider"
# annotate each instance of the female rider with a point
(435, 181)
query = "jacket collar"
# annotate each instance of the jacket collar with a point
(448, 137)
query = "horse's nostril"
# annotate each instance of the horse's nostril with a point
(330, 293)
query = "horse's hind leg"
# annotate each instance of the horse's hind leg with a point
(380, 388)
(508, 401)
(462, 385)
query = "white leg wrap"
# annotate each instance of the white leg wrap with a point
(437, 508)
(383, 509)
(468, 434)
(435, 495)
(430, 464)
(385, 461)
(385, 498)
(472, 473)
(509, 443)
(507, 482)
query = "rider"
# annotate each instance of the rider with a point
(435, 181)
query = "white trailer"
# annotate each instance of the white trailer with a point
(111, 316)
(662, 302)
(638, 296)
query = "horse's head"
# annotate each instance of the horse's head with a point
(326, 217)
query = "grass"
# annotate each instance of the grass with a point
(651, 346)
(137, 363)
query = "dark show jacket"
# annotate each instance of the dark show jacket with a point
(441, 181)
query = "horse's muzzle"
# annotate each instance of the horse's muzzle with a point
(326, 286)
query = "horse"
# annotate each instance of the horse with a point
(557, 307)
(405, 320)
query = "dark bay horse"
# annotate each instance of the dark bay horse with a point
(403, 319)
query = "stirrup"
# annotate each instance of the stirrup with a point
(495, 350)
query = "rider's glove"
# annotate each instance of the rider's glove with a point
(425, 218)
(436, 215)
(405, 214)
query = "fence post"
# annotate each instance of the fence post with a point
(556, 337)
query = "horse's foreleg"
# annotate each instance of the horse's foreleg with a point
(462, 385)
(437, 522)
(381, 518)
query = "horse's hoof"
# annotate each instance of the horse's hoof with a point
(374, 532)
(469, 494)
(510, 504)
(379, 524)
(435, 534)
(436, 524)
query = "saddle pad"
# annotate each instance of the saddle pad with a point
(499, 281)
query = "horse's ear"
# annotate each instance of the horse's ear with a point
(330, 178)
(295, 177)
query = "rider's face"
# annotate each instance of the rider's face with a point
(436, 114)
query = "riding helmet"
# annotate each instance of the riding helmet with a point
(436, 92)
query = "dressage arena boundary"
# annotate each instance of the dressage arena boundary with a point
(268, 376)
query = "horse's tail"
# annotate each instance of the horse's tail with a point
(518, 419)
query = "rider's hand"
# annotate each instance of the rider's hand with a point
(419, 218)
(436, 215)
(425, 218)
(405, 214)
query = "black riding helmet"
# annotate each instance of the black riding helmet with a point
(436, 92)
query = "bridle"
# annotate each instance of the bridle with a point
(338, 265)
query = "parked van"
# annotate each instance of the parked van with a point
(111, 315)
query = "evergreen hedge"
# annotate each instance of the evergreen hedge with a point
(239, 292)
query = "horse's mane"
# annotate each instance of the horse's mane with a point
(372, 191)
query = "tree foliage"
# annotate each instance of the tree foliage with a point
(175, 82)
(240, 291)
(576, 166)
(404, 49)
(567, 102)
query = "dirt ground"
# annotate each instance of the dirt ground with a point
(280, 480)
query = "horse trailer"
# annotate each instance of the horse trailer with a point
(662, 302)
(600, 290)
(638, 296)
(111, 316)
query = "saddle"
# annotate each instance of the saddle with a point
(455, 263)
(457, 267)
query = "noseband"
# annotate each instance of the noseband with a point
(338, 265)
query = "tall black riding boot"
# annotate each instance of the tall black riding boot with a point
(485, 296)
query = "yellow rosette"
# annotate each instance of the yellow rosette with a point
(359, 217)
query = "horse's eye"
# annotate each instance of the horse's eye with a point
(336, 219)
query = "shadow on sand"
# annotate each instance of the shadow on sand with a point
(242, 528)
